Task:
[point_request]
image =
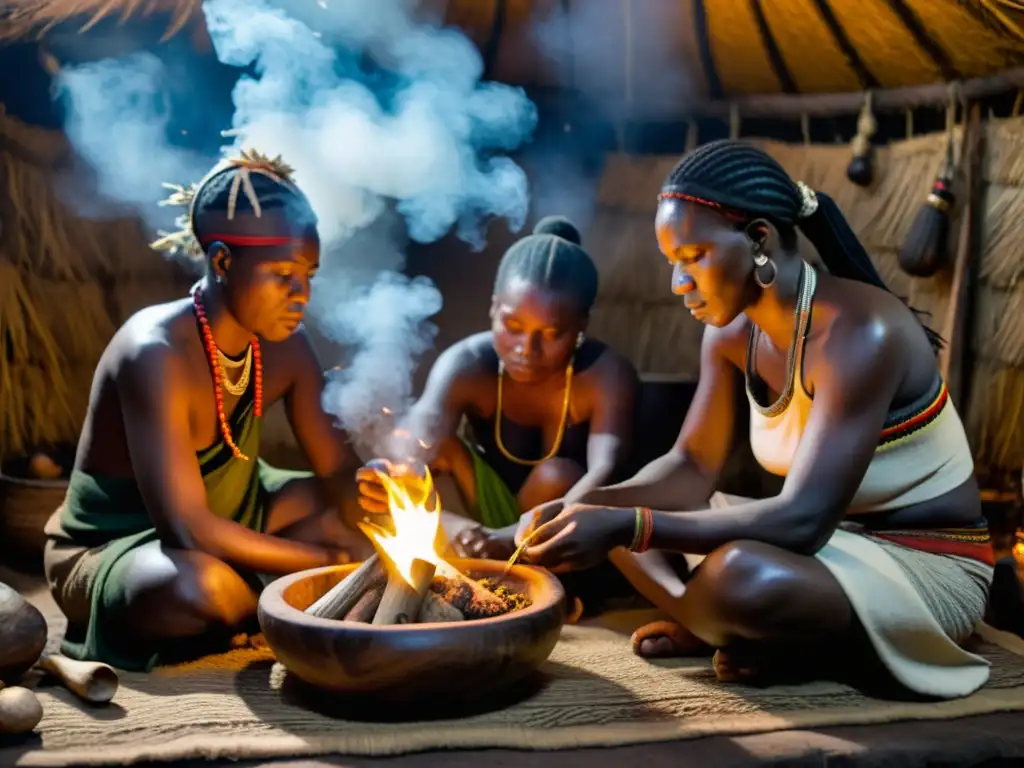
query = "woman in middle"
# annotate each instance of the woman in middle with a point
(531, 410)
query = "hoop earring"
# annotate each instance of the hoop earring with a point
(761, 261)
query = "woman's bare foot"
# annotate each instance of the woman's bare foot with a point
(576, 612)
(661, 639)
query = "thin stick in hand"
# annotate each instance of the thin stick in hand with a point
(519, 550)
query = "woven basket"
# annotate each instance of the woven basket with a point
(25, 506)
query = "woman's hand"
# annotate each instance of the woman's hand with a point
(373, 496)
(485, 543)
(535, 518)
(581, 537)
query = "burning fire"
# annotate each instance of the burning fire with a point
(415, 525)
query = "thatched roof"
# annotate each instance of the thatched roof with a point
(633, 48)
(668, 51)
(66, 283)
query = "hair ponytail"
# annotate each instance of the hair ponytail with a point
(837, 244)
(845, 256)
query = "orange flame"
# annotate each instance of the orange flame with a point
(416, 518)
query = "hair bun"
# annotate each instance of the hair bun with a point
(559, 226)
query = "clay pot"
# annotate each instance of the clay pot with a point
(405, 663)
(27, 504)
(22, 635)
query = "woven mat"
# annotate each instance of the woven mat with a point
(595, 692)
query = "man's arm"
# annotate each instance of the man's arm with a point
(685, 476)
(325, 445)
(611, 423)
(852, 393)
(152, 389)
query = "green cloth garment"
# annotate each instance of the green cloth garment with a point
(497, 506)
(109, 512)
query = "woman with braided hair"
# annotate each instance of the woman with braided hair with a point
(170, 517)
(548, 409)
(875, 550)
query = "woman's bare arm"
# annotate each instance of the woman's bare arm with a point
(435, 416)
(861, 371)
(685, 476)
(611, 422)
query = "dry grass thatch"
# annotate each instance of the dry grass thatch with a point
(61, 290)
(662, 340)
(650, 54)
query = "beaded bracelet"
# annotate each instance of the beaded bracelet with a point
(642, 530)
(638, 530)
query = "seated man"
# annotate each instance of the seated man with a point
(875, 555)
(170, 515)
(549, 410)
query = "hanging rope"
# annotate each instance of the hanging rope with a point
(805, 127)
(1017, 104)
(951, 120)
(909, 118)
(692, 134)
(861, 170)
(734, 121)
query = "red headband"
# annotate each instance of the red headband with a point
(245, 240)
(729, 213)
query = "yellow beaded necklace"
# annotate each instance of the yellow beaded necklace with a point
(562, 422)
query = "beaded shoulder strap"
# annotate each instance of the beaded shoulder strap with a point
(805, 298)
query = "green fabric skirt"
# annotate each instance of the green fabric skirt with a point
(108, 514)
(497, 506)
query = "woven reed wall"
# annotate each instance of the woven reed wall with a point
(637, 313)
(66, 284)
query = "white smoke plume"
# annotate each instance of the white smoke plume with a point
(408, 148)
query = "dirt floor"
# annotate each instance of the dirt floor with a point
(992, 740)
(975, 741)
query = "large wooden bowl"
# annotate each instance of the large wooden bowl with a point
(413, 661)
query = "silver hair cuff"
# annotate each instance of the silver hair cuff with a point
(808, 201)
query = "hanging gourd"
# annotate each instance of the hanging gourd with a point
(926, 248)
(861, 169)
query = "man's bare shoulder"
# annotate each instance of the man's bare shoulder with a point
(150, 343)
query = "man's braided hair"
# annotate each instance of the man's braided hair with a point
(250, 183)
(744, 183)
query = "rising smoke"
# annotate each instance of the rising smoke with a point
(392, 136)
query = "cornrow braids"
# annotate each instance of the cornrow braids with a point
(552, 258)
(250, 183)
(743, 183)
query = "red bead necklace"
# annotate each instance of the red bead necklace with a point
(211, 356)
